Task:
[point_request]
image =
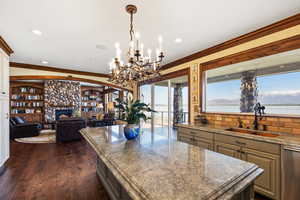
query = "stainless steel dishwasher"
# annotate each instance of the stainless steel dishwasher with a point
(291, 173)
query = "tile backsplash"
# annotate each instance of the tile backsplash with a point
(269, 123)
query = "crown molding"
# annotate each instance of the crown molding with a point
(5, 47)
(69, 78)
(280, 46)
(170, 75)
(55, 69)
(267, 30)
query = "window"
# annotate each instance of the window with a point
(223, 96)
(280, 93)
(273, 81)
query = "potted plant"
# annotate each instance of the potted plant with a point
(132, 112)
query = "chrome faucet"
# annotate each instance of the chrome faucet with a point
(258, 109)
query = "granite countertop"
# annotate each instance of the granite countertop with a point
(154, 167)
(282, 138)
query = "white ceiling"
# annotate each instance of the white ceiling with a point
(73, 28)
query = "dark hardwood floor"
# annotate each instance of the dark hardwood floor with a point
(52, 171)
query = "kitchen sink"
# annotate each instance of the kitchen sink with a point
(253, 132)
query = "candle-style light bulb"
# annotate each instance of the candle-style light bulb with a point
(149, 54)
(137, 37)
(160, 40)
(118, 51)
(131, 49)
(157, 54)
(142, 50)
(119, 54)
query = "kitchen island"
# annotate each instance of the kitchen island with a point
(153, 167)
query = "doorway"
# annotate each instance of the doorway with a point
(170, 99)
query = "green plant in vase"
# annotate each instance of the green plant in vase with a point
(132, 112)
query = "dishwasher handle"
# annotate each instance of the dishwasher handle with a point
(292, 148)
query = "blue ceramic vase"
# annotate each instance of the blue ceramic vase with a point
(131, 131)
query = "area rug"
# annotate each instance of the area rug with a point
(46, 136)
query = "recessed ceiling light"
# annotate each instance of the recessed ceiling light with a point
(37, 32)
(44, 62)
(178, 40)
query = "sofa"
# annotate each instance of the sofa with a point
(68, 129)
(20, 128)
(100, 123)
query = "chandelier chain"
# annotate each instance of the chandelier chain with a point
(131, 32)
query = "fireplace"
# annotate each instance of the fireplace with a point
(67, 112)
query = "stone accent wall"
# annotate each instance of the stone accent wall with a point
(177, 104)
(61, 95)
(248, 92)
(277, 124)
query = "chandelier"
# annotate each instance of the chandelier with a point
(137, 66)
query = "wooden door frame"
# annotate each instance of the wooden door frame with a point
(183, 72)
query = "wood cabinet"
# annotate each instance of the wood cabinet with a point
(264, 154)
(114, 189)
(4, 107)
(269, 182)
(196, 137)
(4, 131)
(228, 149)
(4, 74)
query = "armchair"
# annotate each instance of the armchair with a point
(19, 128)
(68, 129)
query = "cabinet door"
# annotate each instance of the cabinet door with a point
(269, 182)
(206, 144)
(185, 137)
(1, 72)
(5, 75)
(4, 132)
(228, 149)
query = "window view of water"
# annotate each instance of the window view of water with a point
(270, 109)
(278, 92)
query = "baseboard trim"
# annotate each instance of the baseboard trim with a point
(2, 169)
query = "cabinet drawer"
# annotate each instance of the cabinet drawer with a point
(252, 144)
(205, 135)
(204, 143)
(184, 134)
(189, 140)
(228, 149)
(187, 131)
(196, 133)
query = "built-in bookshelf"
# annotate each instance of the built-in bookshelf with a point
(27, 100)
(92, 99)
